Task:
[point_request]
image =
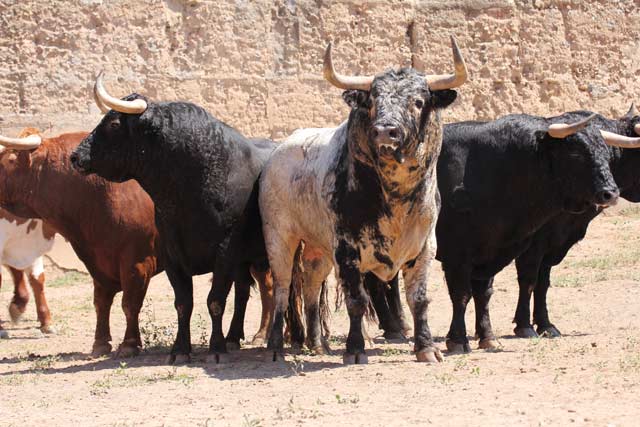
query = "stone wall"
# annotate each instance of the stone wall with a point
(257, 64)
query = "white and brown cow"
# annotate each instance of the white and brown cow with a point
(363, 197)
(23, 242)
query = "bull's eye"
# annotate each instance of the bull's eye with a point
(419, 104)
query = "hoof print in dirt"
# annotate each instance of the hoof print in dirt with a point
(355, 359)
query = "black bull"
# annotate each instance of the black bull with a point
(535, 252)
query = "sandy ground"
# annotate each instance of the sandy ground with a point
(590, 376)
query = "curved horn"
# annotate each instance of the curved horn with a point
(342, 81)
(632, 111)
(622, 141)
(563, 130)
(137, 106)
(449, 81)
(27, 143)
(99, 103)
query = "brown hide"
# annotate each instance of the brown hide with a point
(110, 226)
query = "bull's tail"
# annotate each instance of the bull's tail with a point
(294, 316)
(325, 311)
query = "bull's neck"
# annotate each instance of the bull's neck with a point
(54, 192)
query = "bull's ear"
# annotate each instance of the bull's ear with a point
(443, 98)
(356, 98)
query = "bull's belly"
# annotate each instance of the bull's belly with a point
(22, 250)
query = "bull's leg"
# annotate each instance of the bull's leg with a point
(482, 291)
(386, 301)
(20, 298)
(528, 271)
(242, 289)
(36, 280)
(102, 302)
(392, 292)
(316, 269)
(265, 284)
(281, 258)
(458, 278)
(415, 282)
(348, 259)
(216, 302)
(3, 332)
(134, 289)
(182, 285)
(540, 313)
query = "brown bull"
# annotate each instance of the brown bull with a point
(110, 226)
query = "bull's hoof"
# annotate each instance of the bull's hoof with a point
(48, 330)
(178, 359)
(4, 334)
(258, 340)
(233, 345)
(126, 351)
(549, 332)
(395, 337)
(16, 312)
(355, 359)
(218, 358)
(526, 332)
(317, 349)
(429, 355)
(458, 348)
(488, 344)
(100, 349)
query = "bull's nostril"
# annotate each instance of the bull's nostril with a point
(74, 158)
(606, 196)
(393, 133)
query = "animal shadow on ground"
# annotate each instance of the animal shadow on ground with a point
(247, 363)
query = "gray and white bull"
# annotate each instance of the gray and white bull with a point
(363, 197)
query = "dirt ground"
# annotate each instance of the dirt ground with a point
(590, 376)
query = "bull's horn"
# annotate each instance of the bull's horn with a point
(449, 81)
(632, 111)
(341, 81)
(637, 129)
(99, 103)
(563, 130)
(137, 106)
(27, 143)
(616, 140)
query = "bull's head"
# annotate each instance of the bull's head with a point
(395, 114)
(626, 167)
(580, 163)
(112, 149)
(15, 165)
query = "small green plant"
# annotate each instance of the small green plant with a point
(42, 363)
(343, 400)
(250, 422)
(155, 337)
(70, 278)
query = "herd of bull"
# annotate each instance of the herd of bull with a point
(167, 187)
